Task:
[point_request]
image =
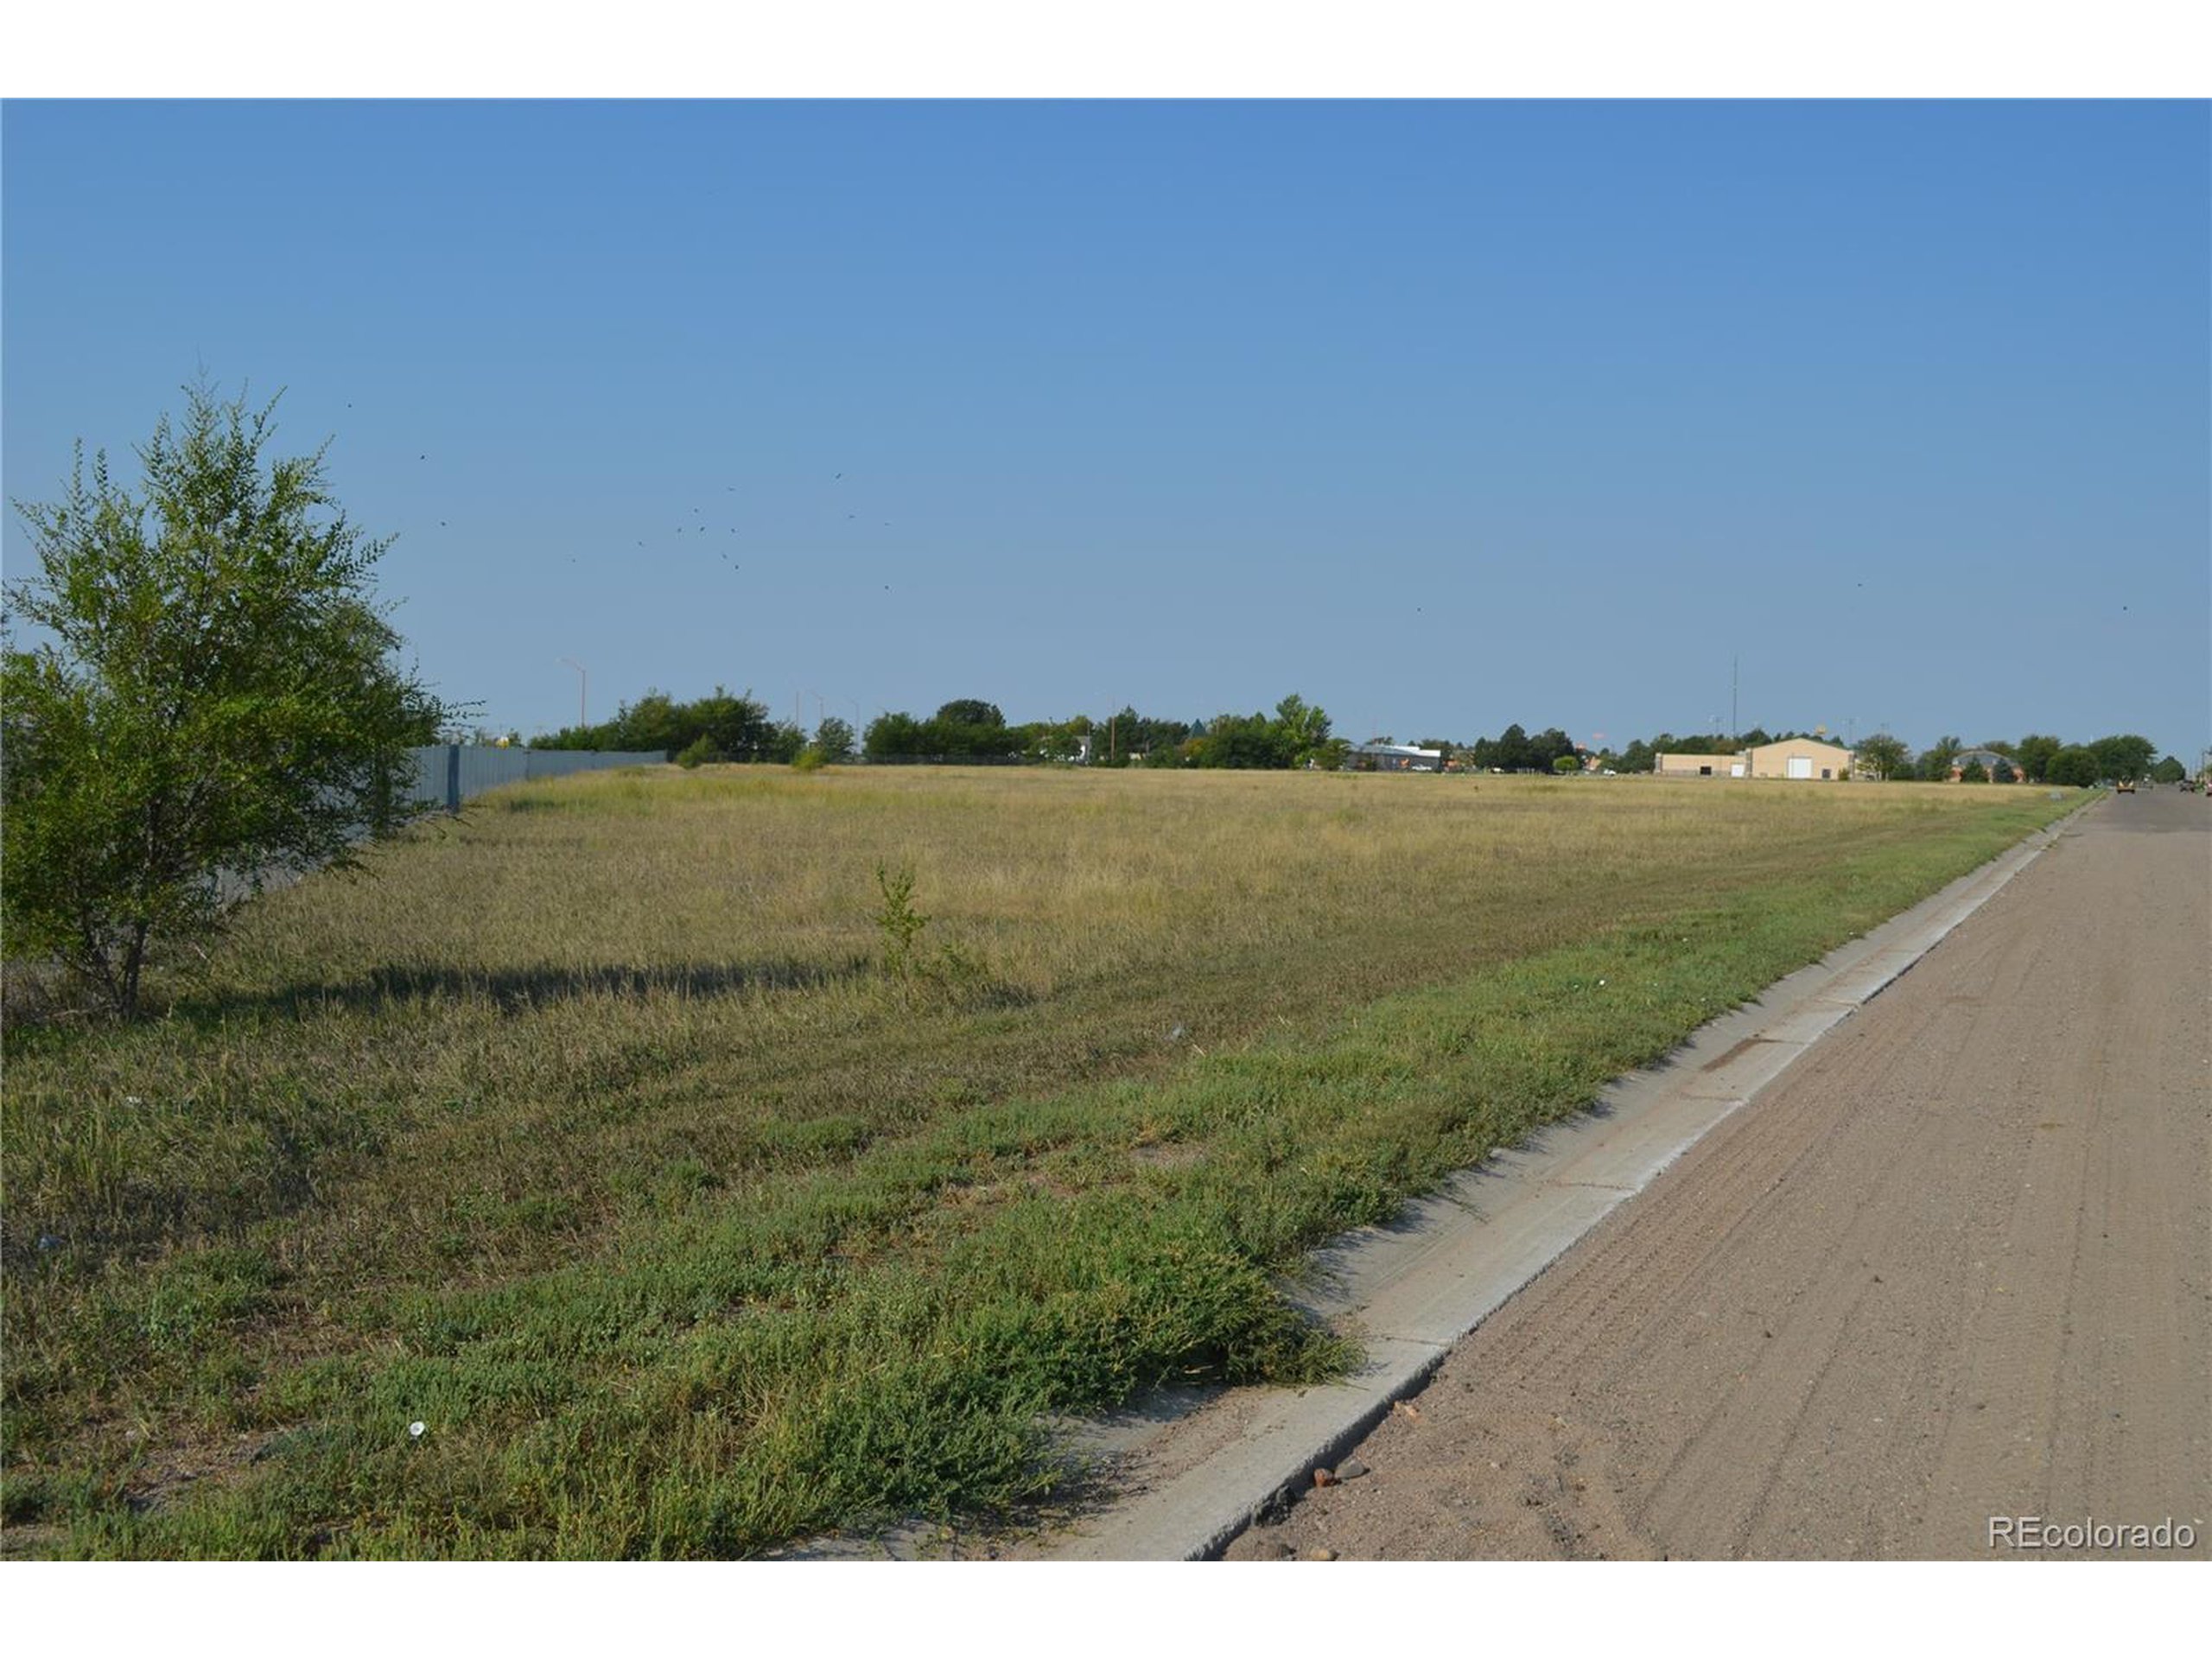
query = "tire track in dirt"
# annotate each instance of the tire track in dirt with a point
(1956, 1263)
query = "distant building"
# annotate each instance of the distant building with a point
(1802, 758)
(1393, 757)
(1699, 765)
(1990, 761)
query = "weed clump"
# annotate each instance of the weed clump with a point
(897, 923)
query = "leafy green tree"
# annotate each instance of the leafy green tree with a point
(1303, 729)
(1935, 760)
(2033, 752)
(217, 700)
(738, 726)
(1638, 756)
(1565, 764)
(2074, 768)
(734, 728)
(1884, 756)
(970, 711)
(2004, 773)
(1974, 772)
(785, 742)
(1511, 751)
(2123, 756)
(2169, 771)
(892, 737)
(833, 740)
(1242, 742)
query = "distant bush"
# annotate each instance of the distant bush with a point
(700, 752)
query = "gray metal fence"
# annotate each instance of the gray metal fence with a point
(450, 773)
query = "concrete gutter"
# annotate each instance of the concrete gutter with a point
(1413, 1289)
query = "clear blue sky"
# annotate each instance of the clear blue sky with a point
(1445, 415)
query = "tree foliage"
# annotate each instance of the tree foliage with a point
(730, 726)
(216, 699)
(833, 740)
(967, 729)
(2034, 754)
(1297, 732)
(1514, 750)
(2123, 755)
(1935, 760)
(1884, 756)
(2074, 766)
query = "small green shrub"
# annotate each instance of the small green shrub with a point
(700, 752)
(898, 921)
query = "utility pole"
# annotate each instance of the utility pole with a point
(1735, 725)
(583, 685)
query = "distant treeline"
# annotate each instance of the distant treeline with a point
(2038, 758)
(1297, 733)
(728, 727)
(722, 727)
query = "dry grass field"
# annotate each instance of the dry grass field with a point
(608, 1135)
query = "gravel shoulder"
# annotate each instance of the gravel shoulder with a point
(1956, 1264)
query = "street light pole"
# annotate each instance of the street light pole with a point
(583, 686)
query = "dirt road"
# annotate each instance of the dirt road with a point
(1956, 1265)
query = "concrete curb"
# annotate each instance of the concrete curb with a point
(1416, 1289)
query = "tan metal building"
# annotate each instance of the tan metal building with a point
(1796, 757)
(1699, 765)
(1800, 757)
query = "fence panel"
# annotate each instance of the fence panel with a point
(450, 773)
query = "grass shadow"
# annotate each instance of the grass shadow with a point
(519, 989)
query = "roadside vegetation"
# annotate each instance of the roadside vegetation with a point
(707, 1158)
